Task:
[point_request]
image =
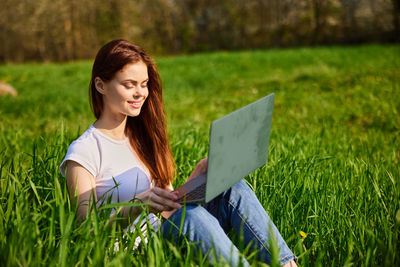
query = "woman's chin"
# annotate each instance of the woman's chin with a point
(134, 113)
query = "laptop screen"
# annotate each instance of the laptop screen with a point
(238, 145)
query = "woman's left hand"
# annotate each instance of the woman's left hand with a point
(200, 168)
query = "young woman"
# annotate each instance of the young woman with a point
(125, 155)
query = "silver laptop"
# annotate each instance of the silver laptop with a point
(238, 145)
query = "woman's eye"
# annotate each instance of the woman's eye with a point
(128, 85)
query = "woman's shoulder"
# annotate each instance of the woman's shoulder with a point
(86, 140)
(85, 151)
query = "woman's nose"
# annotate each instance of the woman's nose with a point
(139, 92)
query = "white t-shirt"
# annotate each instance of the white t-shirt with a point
(115, 166)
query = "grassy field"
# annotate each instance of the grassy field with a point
(332, 172)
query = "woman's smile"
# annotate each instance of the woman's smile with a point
(136, 104)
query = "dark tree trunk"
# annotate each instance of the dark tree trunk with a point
(396, 19)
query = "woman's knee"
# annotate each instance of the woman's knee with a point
(241, 190)
(191, 219)
(241, 185)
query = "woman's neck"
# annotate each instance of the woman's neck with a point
(111, 125)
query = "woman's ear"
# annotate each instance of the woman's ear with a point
(99, 84)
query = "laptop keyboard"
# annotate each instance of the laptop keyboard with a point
(197, 193)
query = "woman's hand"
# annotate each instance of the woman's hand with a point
(159, 200)
(200, 168)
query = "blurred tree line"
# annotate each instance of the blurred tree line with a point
(60, 30)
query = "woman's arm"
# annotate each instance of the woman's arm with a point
(155, 200)
(82, 188)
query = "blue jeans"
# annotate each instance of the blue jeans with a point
(237, 208)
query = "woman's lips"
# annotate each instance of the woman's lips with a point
(135, 104)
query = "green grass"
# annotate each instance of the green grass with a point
(332, 172)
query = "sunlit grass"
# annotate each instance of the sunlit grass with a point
(331, 183)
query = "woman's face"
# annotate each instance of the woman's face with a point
(124, 95)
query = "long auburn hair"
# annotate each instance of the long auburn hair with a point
(147, 132)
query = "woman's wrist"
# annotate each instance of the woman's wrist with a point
(127, 214)
(132, 212)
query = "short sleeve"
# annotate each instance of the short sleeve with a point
(84, 153)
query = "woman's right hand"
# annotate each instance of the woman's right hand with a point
(159, 200)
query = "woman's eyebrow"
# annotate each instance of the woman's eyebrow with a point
(129, 80)
(134, 81)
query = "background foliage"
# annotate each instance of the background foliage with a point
(47, 30)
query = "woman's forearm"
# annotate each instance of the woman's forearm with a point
(126, 215)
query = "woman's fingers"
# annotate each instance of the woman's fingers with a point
(159, 199)
(165, 198)
(155, 207)
(165, 193)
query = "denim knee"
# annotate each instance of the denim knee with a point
(193, 221)
(241, 190)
